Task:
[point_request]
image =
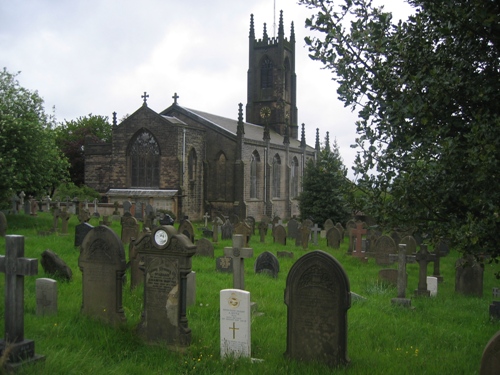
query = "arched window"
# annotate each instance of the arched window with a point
(192, 160)
(294, 178)
(276, 176)
(221, 175)
(288, 77)
(145, 160)
(266, 73)
(254, 167)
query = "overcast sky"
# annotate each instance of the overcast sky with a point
(99, 56)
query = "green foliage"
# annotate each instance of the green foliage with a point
(325, 188)
(70, 190)
(427, 91)
(71, 137)
(29, 158)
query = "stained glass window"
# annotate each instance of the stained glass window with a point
(145, 160)
(276, 176)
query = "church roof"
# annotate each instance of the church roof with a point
(252, 131)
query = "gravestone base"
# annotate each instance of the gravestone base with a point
(405, 302)
(422, 293)
(495, 310)
(439, 277)
(20, 353)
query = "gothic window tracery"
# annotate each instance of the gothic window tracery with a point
(145, 160)
(254, 167)
(266, 73)
(276, 176)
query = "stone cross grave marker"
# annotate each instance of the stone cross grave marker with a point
(423, 258)
(358, 233)
(102, 262)
(46, 296)
(238, 253)
(235, 323)
(16, 266)
(206, 217)
(317, 296)
(402, 259)
(315, 230)
(166, 258)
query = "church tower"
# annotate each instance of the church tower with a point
(272, 82)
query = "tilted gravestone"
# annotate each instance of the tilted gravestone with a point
(235, 323)
(53, 265)
(469, 277)
(204, 248)
(490, 361)
(317, 296)
(16, 266)
(267, 263)
(130, 227)
(279, 234)
(102, 262)
(333, 238)
(46, 296)
(186, 228)
(81, 231)
(293, 227)
(166, 258)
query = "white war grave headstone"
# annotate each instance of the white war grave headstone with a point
(235, 323)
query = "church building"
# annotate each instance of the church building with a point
(191, 162)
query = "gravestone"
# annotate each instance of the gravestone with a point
(204, 248)
(55, 215)
(16, 266)
(245, 230)
(130, 227)
(14, 201)
(305, 233)
(262, 231)
(396, 236)
(81, 231)
(83, 215)
(234, 219)
(186, 228)
(315, 230)
(341, 231)
(293, 227)
(298, 237)
(372, 237)
(469, 277)
(235, 323)
(96, 213)
(238, 252)
(215, 229)
(423, 257)
(227, 230)
(149, 216)
(224, 264)
(191, 288)
(495, 310)
(55, 266)
(65, 216)
(279, 234)
(328, 224)
(127, 205)
(384, 246)
(3, 224)
(441, 249)
(267, 263)
(317, 296)
(102, 262)
(46, 296)
(105, 221)
(358, 234)
(333, 238)
(411, 244)
(166, 259)
(402, 259)
(308, 222)
(34, 207)
(490, 361)
(250, 220)
(389, 276)
(136, 274)
(350, 225)
(432, 285)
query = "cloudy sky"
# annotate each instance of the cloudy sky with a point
(99, 56)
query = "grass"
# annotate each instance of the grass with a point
(441, 335)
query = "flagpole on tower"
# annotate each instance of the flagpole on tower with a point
(274, 19)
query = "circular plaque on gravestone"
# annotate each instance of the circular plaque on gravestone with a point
(161, 237)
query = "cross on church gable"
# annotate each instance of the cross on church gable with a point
(175, 97)
(145, 97)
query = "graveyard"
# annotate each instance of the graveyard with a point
(445, 333)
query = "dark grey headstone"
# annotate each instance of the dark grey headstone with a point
(55, 266)
(127, 205)
(227, 230)
(490, 361)
(333, 238)
(469, 277)
(204, 248)
(293, 227)
(81, 231)
(328, 224)
(130, 227)
(317, 296)
(186, 228)
(279, 234)
(267, 263)
(495, 310)
(224, 264)
(384, 246)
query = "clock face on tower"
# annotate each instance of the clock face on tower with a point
(160, 237)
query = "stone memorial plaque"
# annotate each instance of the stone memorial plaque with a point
(317, 296)
(235, 323)
(224, 264)
(102, 262)
(46, 296)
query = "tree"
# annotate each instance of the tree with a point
(427, 91)
(29, 158)
(325, 187)
(71, 139)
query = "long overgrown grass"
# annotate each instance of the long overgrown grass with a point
(441, 335)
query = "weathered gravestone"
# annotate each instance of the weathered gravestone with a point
(317, 296)
(469, 277)
(267, 263)
(423, 257)
(136, 274)
(130, 227)
(441, 250)
(238, 252)
(215, 229)
(3, 224)
(102, 262)
(341, 231)
(65, 216)
(166, 258)
(279, 234)
(81, 231)
(328, 224)
(402, 259)
(204, 248)
(46, 296)
(235, 323)
(53, 265)
(127, 205)
(245, 230)
(315, 230)
(105, 221)
(388, 276)
(250, 220)
(305, 233)
(186, 228)
(262, 231)
(224, 264)
(490, 361)
(16, 266)
(384, 246)
(411, 244)
(234, 219)
(495, 310)
(333, 238)
(227, 230)
(293, 227)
